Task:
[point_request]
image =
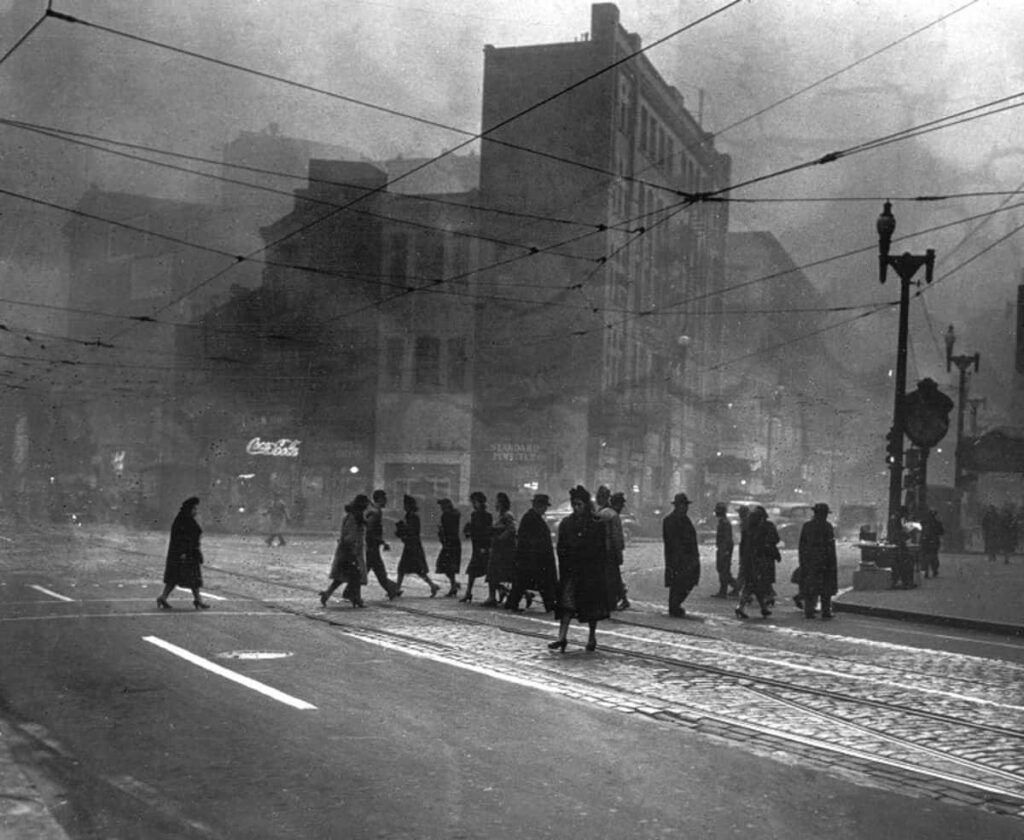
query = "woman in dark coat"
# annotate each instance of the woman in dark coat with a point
(349, 565)
(479, 531)
(184, 557)
(762, 553)
(501, 567)
(582, 582)
(449, 560)
(413, 560)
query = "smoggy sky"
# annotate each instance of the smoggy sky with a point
(425, 58)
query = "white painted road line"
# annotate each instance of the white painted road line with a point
(206, 594)
(220, 670)
(46, 591)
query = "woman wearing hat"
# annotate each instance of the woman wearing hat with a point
(582, 577)
(184, 558)
(413, 560)
(479, 531)
(449, 560)
(349, 564)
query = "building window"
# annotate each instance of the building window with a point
(456, 364)
(397, 257)
(430, 255)
(428, 362)
(395, 363)
(643, 129)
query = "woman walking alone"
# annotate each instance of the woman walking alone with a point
(184, 557)
(413, 560)
(582, 578)
(349, 564)
(449, 560)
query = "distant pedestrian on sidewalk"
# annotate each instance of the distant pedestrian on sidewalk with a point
(479, 531)
(682, 556)
(277, 515)
(449, 559)
(183, 566)
(413, 560)
(582, 576)
(614, 544)
(818, 564)
(618, 502)
(349, 564)
(535, 559)
(762, 552)
(723, 554)
(931, 542)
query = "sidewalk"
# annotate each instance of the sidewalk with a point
(970, 592)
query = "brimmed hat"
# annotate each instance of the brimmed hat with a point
(618, 497)
(542, 499)
(477, 496)
(444, 502)
(821, 507)
(720, 507)
(680, 499)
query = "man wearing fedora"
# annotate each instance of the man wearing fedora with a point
(818, 572)
(682, 557)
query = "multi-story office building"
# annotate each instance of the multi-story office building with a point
(593, 374)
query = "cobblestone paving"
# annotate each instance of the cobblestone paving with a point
(841, 704)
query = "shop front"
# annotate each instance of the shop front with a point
(313, 475)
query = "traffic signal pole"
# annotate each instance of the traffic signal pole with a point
(906, 266)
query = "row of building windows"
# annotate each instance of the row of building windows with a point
(426, 363)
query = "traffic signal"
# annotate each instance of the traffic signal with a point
(893, 447)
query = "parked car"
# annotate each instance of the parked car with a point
(789, 519)
(554, 515)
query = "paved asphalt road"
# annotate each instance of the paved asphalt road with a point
(127, 737)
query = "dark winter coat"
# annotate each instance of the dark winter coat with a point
(479, 530)
(501, 567)
(763, 548)
(349, 564)
(535, 555)
(184, 556)
(413, 560)
(682, 556)
(449, 559)
(582, 581)
(818, 574)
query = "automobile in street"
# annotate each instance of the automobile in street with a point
(789, 519)
(554, 515)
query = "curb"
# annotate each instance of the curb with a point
(927, 618)
(23, 813)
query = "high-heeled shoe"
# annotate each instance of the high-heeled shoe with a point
(200, 605)
(434, 589)
(453, 591)
(591, 646)
(740, 613)
(323, 598)
(161, 602)
(467, 598)
(529, 600)
(558, 644)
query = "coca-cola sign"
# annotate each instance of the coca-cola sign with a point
(283, 448)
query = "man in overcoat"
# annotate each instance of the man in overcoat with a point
(818, 568)
(535, 558)
(682, 557)
(374, 516)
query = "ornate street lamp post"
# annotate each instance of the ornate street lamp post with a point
(963, 363)
(906, 266)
